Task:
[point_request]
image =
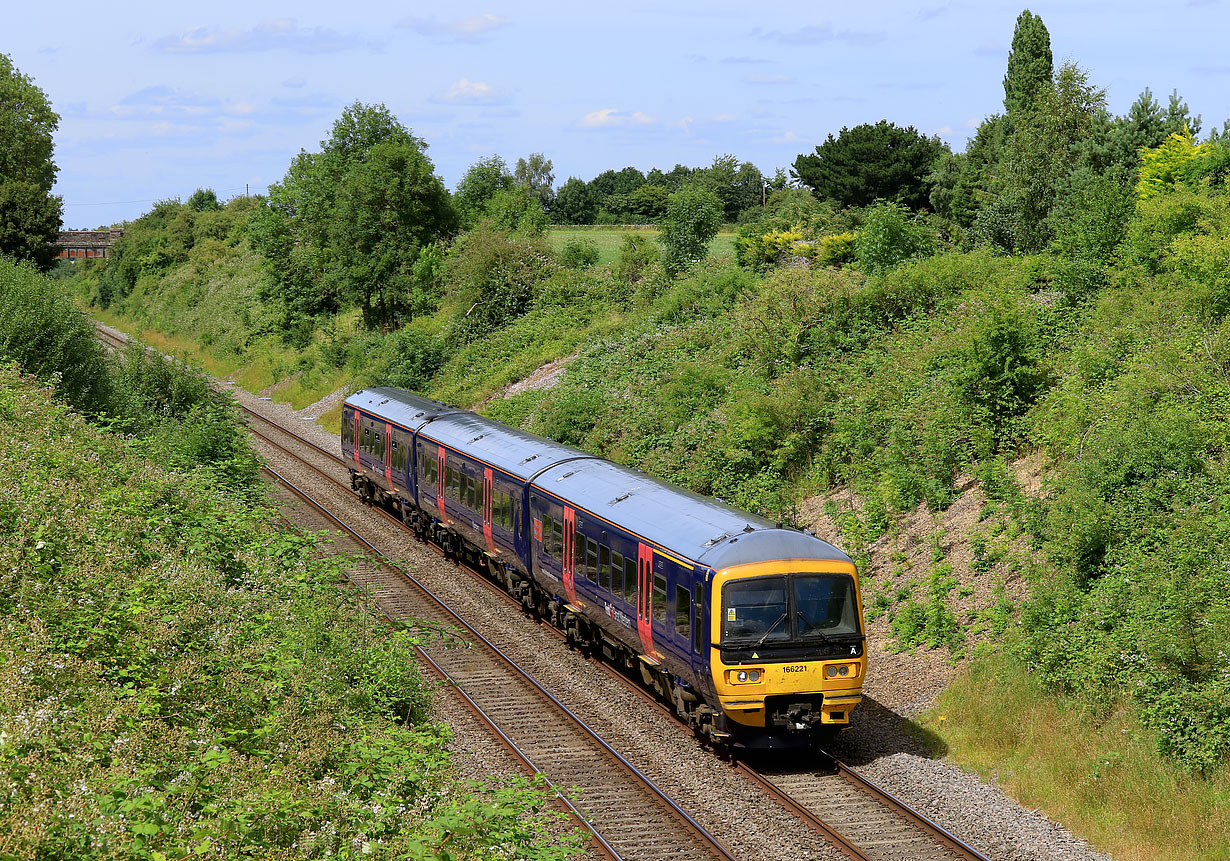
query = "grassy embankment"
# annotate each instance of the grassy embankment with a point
(182, 676)
(766, 388)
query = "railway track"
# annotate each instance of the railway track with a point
(629, 816)
(860, 818)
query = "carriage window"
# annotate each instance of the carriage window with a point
(630, 580)
(698, 642)
(547, 526)
(377, 445)
(557, 539)
(604, 567)
(659, 597)
(367, 439)
(617, 573)
(591, 559)
(347, 431)
(396, 455)
(470, 494)
(683, 612)
(450, 476)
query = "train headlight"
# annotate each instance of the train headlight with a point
(745, 677)
(843, 670)
(832, 671)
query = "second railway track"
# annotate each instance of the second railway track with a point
(859, 818)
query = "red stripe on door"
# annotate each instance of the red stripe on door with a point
(358, 435)
(570, 556)
(644, 597)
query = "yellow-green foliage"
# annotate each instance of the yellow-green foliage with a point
(773, 246)
(837, 248)
(1162, 166)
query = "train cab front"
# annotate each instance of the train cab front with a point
(789, 654)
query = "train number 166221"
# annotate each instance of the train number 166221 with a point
(795, 668)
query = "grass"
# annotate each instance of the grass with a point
(1100, 775)
(608, 239)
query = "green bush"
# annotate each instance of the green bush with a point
(580, 253)
(891, 234)
(42, 330)
(693, 216)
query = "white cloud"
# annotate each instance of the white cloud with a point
(270, 35)
(818, 34)
(463, 30)
(467, 92)
(608, 117)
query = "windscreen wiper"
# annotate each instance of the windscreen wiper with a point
(769, 631)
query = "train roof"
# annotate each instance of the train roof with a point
(702, 529)
(397, 405)
(514, 451)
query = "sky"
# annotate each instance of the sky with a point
(157, 99)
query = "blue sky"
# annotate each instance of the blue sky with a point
(157, 99)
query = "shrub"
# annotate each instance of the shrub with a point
(491, 276)
(890, 235)
(580, 253)
(693, 215)
(42, 330)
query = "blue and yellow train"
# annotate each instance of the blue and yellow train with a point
(752, 631)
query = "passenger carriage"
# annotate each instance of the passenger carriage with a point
(753, 632)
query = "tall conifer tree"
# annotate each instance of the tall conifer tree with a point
(1030, 64)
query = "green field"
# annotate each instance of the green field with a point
(608, 239)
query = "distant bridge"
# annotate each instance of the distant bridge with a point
(76, 244)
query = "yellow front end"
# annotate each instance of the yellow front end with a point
(743, 687)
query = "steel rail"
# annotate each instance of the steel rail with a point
(848, 846)
(703, 836)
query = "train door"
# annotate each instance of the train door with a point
(388, 454)
(358, 438)
(488, 506)
(644, 597)
(569, 552)
(441, 457)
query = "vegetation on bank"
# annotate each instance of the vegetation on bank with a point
(1061, 291)
(182, 676)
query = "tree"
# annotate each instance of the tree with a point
(737, 185)
(890, 235)
(1163, 166)
(870, 162)
(535, 174)
(479, 185)
(204, 200)
(1030, 64)
(574, 203)
(390, 206)
(29, 212)
(693, 215)
(1043, 151)
(345, 225)
(649, 202)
